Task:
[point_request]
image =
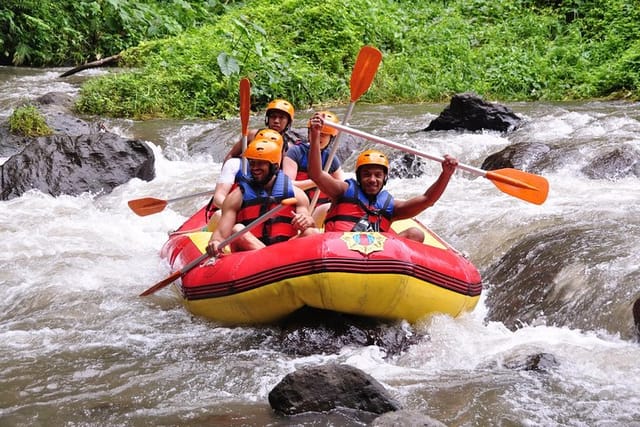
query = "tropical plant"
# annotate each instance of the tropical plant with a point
(70, 32)
(500, 49)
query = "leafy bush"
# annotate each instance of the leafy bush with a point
(28, 121)
(196, 74)
(304, 52)
(70, 32)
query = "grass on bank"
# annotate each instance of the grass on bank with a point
(510, 50)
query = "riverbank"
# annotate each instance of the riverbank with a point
(503, 51)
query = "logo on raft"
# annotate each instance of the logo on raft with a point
(364, 242)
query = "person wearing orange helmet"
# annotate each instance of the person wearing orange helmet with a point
(279, 117)
(228, 176)
(362, 204)
(264, 188)
(296, 165)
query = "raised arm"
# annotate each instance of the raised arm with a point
(332, 187)
(415, 205)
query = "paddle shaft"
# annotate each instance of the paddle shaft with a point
(245, 107)
(235, 236)
(362, 76)
(523, 185)
(190, 266)
(387, 142)
(150, 205)
(332, 154)
(204, 193)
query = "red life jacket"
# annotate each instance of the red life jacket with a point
(256, 202)
(354, 212)
(322, 198)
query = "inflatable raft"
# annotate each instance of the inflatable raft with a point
(378, 275)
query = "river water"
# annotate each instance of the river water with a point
(79, 347)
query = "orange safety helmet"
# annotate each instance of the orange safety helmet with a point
(372, 157)
(280, 105)
(264, 149)
(328, 115)
(271, 135)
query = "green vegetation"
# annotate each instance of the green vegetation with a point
(196, 74)
(508, 50)
(69, 32)
(28, 121)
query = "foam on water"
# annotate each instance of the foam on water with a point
(74, 333)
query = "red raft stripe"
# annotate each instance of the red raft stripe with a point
(333, 265)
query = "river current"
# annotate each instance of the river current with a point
(78, 347)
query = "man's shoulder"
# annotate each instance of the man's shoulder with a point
(232, 163)
(296, 149)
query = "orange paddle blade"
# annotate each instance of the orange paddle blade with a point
(523, 185)
(147, 206)
(245, 104)
(364, 71)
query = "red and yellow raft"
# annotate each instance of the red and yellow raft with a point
(378, 275)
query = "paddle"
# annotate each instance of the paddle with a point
(362, 76)
(184, 270)
(523, 185)
(149, 205)
(245, 107)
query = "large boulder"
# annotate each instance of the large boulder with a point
(616, 164)
(79, 157)
(56, 107)
(328, 387)
(467, 111)
(522, 155)
(311, 331)
(63, 164)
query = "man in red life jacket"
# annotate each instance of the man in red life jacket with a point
(296, 166)
(278, 117)
(262, 190)
(228, 177)
(363, 204)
